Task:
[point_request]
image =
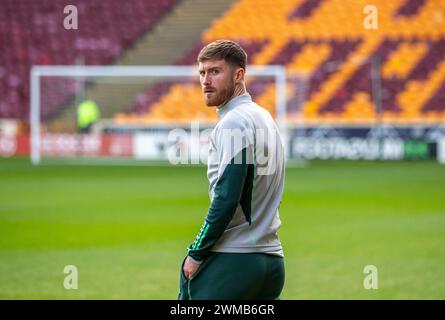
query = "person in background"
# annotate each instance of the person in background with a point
(88, 113)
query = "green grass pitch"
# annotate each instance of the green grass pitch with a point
(126, 229)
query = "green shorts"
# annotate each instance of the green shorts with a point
(237, 276)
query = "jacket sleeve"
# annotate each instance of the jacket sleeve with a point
(227, 195)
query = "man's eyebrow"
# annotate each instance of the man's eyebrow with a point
(210, 69)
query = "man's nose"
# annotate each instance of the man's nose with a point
(205, 80)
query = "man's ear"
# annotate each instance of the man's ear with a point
(239, 74)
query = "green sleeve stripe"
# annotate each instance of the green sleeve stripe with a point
(202, 236)
(198, 239)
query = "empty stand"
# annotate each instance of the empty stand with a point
(327, 40)
(32, 33)
(323, 39)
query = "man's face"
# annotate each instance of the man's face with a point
(217, 81)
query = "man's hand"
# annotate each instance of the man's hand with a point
(190, 268)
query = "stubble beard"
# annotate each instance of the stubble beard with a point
(221, 97)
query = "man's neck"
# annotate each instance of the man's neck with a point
(239, 90)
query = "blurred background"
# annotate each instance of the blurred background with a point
(363, 120)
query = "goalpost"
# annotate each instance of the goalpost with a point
(101, 74)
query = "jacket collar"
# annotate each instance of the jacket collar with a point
(222, 110)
